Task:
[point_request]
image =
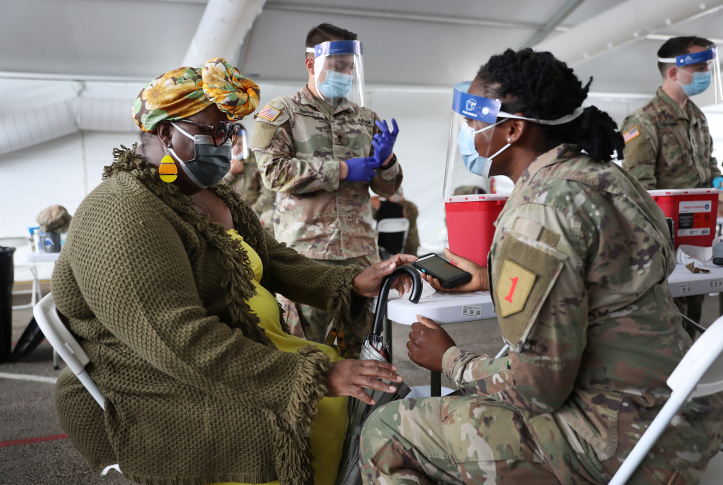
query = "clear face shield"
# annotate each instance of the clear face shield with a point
(473, 118)
(699, 76)
(339, 71)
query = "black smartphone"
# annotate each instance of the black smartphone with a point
(448, 274)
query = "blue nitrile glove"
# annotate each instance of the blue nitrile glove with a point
(383, 142)
(361, 169)
(716, 182)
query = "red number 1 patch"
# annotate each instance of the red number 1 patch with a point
(512, 290)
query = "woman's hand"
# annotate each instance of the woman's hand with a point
(478, 281)
(427, 344)
(368, 282)
(348, 377)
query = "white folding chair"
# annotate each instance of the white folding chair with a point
(46, 314)
(35, 294)
(700, 373)
(395, 225)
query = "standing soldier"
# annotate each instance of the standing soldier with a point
(667, 143)
(322, 151)
(244, 177)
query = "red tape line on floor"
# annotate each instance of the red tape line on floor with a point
(4, 444)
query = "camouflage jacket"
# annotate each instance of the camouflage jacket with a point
(579, 266)
(666, 148)
(251, 189)
(298, 148)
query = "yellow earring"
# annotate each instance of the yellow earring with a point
(167, 169)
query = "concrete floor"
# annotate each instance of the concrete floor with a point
(32, 452)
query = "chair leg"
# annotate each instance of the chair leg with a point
(55, 360)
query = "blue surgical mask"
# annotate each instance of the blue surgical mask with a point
(336, 85)
(701, 81)
(470, 157)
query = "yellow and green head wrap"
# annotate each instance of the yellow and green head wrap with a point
(186, 91)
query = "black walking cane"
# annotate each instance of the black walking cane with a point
(376, 339)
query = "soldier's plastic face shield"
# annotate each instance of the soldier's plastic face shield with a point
(339, 71)
(472, 126)
(696, 70)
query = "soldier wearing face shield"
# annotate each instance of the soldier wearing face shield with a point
(667, 142)
(322, 150)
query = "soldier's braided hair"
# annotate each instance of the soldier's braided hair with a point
(543, 87)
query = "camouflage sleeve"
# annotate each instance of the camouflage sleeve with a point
(266, 198)
(477, 373)
(388, 180)
(714, 168)
(540, 297)
(281, 171)
(641, 151)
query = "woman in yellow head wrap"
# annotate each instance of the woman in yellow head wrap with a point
(168, 285)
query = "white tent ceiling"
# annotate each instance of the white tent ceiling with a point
(70, 69)
(406, 42)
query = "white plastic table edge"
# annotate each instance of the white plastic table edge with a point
(38, 257)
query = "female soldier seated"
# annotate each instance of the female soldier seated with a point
(578, 273)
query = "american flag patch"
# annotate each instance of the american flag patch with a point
(269, 113)
(631, 134)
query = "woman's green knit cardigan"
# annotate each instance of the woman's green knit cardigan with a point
(194, 390)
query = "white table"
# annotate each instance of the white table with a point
(38, 257)
(446, 308)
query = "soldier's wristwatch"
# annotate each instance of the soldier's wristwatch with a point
(391, 162)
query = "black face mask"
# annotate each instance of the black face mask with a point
(209, 164)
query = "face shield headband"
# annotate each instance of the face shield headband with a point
(487, 110)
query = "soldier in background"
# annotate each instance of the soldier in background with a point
(244, 177)
(322, 152)
(667, 142)
(578, 274)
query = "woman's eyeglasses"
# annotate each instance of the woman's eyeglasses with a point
(220, 132)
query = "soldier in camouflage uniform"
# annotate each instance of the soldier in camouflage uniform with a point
(244, 177)
(302, 145)
(578, 274)
(667, 142)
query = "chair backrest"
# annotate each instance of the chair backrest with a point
(394, 225)
(46, 314)
(699, 373)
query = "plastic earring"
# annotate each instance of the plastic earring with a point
(167, 169)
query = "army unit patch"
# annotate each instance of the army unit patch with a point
(269, 113)
(632, 133)
(514, 287)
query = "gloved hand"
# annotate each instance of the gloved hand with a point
(361, 169)
(717, 182)
(383, 142)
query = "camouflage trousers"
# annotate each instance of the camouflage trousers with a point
(470, 439)
(311, 323)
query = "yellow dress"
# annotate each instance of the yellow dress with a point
(329, 429)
